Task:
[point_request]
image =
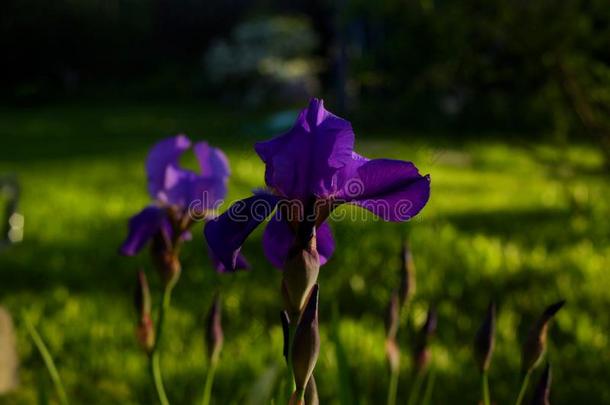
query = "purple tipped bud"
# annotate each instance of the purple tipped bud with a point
(484, 339)
(543, 389)
(429, 328)
(407, 276)
(422, 350)
(142, 299)
(300, 274)
(392, 318)
(286, 332)
(535, 344)
(393, 354)
(165, 259)
(306, 343)
(145, 332)
(213, 335)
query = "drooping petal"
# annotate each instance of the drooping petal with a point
(142, 227)
(325, 242)
(303, 161)
(163, 154)
(391, 189)
(241, 264)
(226, 233)
(279, 237)
(277, 240)
(212, 161)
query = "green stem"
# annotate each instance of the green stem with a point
(291, 387)
(209, 381)
(524, 384)
(415, 388)
(154, 361)
(429, 387)
(393, 387)
(48, 360)
(485, 387)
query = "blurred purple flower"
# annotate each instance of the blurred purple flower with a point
(314, 163)
(179, 196)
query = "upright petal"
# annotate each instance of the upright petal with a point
(212, 161)
(226, 233)
(189, 190)
(304, 161)
(279, 237)
(391, 189)
(165, 153)
(142, 227)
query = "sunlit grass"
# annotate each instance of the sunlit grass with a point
(523, 223)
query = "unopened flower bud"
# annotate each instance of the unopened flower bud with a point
(407, 276)
(306, 343)
(392, 317)
(484, 339)
(422, 350)
(165, 260)
(300, 274)
(393, 354)
(535, 343)
(213, 335)
(145, 332)
(543, 389)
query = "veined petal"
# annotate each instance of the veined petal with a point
(226, 233)
(212, 161)
(142, 227)
(279, 238)
(165, 153)
(391, 189)
(304, 161)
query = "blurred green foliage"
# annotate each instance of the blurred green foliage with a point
(502, 64)
(522, 222)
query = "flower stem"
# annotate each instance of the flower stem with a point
(209, 381)
(291, 384)
(415, 388)
(393, 387)
(48, 360)
(429, 387)
(485, 387)
(154, 361)
(524, 384)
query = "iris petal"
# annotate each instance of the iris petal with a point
(241, 264)
(304, 161)
(142, 227)
(165, 153)
(226, 233)
(189, 190)
(212, 161)
(279, 237)
(391, 189)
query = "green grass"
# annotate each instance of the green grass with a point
(524, 223)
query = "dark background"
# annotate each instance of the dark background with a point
(474, 64)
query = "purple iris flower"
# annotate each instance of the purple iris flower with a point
(315, 162)
(178, 196)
